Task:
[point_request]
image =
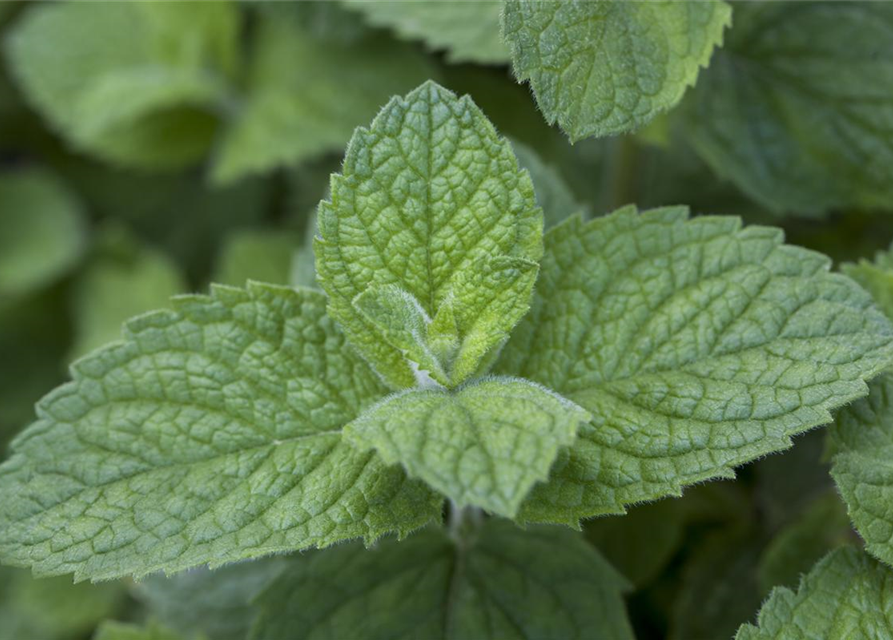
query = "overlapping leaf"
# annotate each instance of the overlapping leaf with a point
(697, 345)
(430, 202)
(211, 434)
(795, 108)
(502, 583)
(486, 444)
(847, 595)
(603, 67)
(139, 84)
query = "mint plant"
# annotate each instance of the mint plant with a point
(461, 367)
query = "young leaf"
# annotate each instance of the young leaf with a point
(603, 67)
(431, 200)
(795, 109)
(469, 30)
(504, 583)
(142, 89)
(217, 605)
(697, 345)
(862, 441)
(846, 595)
(42, 231)
(876, 277)
(211, 434)
(485, 444)
(305, 96)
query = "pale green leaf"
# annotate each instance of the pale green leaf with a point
(485, 444)
(431, 199)
(215, 604)
(862, 439)
(501, 583)
(847, 596)
(821, 527)
(138, 84)
(257, 254)
(697, 345)
(42, 231)
(467, 30)
(153, 631)
(876, 277)
(603, 67)
(53, 608)
(305, 96)
(796, 108)
(211, 434)
(123, 280)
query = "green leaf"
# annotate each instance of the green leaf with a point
(795, 109)
(503, 583)
(42, 231)
(120, 282)
(552, 193)
(138, 84)
(257, 254)
(862, 466)
(604, 67)
(431, 199)
(848, 595)
(803, 542)
(53, 608)
(305, 96)
(122, 631)
(718, 589)
(211, 434)
(468, 31)
(214, 604)
(641, 543)
(485, 444)
(875, 277)
(697, 345)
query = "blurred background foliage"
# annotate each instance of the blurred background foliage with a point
(147, 149)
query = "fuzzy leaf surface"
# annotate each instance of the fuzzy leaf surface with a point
(697, 345)
(486, 444)
(505, 583)
(848, 595)
(306, 96)
(138, 84)
(795, 108)
(862, 439)
(604, 67)
(468, 31)
(431, 199)
(211, 434)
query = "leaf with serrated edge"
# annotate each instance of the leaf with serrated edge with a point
(468, 30)
(485, 444)
(795, 108)
(431, 199)
(139, 84)
(847, 596)
(862, 466)
(502, 583)
(698, 345)
(211, 434)
(603, 67)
